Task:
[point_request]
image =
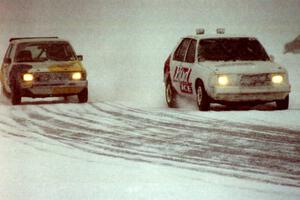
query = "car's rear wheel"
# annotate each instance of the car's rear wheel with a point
(283, 104)
(202, 97)
(83, 96)
(15, 96)
(170, 94)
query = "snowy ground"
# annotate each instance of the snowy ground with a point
(124, 143)
(112, 151)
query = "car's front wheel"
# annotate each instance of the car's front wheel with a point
(283, 104)
(83, 96)
(202, 97)
(15, 95)
(171, 95)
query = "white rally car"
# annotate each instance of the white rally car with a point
(224, 69)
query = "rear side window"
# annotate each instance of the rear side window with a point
(180, 52)
(190, 57)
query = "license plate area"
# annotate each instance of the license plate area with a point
(255, 80)
(52, 77)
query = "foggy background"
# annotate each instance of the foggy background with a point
(125, 42)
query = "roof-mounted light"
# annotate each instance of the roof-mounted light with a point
(220, 30)
(200, 31)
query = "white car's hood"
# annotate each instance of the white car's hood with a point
(244, 67)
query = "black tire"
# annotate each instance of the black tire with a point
(83, 96)
(202, 97)
(283, 104)
(170, 95)
(66, 98)
(16, 96)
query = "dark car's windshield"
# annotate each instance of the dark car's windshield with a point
(42, 51)
(231, 49)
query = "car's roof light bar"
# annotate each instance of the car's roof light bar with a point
(200, 31)
(220, 30)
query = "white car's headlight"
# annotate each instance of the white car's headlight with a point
(28, 77)
(277, 78)
(76, 76)
(223, 80)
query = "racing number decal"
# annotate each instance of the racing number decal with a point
(182, 75)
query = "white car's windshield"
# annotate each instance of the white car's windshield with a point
(42, 51)
(231, 49)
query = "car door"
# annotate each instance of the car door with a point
(7, 61)
(176, 64)
(186, 86)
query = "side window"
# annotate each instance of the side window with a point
(181, 50)
(190, 57)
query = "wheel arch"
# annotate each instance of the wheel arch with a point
(198, 81)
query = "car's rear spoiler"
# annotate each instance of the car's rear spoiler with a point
(24, 38)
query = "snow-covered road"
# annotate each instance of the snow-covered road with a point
(239, 146)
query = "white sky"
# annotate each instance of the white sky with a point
(57, 13)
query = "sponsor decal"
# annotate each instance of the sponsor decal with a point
(182, 75)
(67, 66)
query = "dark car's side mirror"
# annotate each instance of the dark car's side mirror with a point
(80, 57)
(272, 58)
(7, 60)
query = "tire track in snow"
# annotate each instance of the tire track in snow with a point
(179, 139)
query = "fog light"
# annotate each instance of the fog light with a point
(27, 77)
(76, 76)
(277, 79)
(223, 80)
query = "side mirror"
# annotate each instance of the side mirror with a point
(272, 58)
(80, 57)
(7, 60)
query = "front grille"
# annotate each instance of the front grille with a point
(51, 77)
(254, 80)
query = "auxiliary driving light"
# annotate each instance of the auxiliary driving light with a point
(223, 80)
(27, 77)
(76, 76)
(277, 79)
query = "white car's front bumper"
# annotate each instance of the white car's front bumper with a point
(242, 94)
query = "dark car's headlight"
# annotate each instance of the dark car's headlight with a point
(77, 76)
(27, 77)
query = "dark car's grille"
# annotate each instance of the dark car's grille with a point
(51, 77)
(255, 80)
